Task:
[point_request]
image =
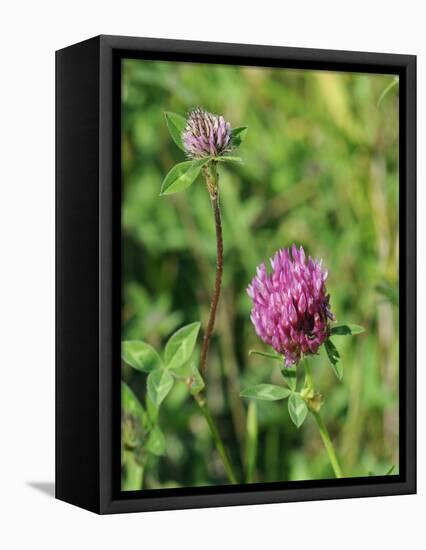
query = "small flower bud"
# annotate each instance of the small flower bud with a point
(206, 134)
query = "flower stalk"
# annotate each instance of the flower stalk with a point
(212, 182)
(314, 402)
(291, 312)
(207, 139)
(201, 402)
(327, 444)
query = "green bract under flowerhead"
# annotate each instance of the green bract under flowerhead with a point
(206, 139)
(206, 134)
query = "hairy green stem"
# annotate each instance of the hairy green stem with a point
(216, 438)
(314, 402)
(328, 444)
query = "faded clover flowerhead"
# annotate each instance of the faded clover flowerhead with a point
(206, 134)
(291, 305)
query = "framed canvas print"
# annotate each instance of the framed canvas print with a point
(235, 274)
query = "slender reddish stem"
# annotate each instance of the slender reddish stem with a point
(212, 186)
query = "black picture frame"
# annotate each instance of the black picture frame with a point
(88, 273)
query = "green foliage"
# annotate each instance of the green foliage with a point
(297, 409)
(390, 471)
(131, 404)
(176, 125)
(290, 376)
(389, 87)
(228, 158)
(141, 432)
(195, 381)
(182, 175)
(156, 443)
(238, 135)
(180, 346)
(274, 356)
(140, 356)
(140, 438)
(320, 169)
(334, 358)
(159, 383)
(347, 330)
(388, 292)
(266, 392)
(252, 430)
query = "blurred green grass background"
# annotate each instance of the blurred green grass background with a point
(320, 169)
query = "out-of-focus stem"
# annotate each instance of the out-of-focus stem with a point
(134, 477)
(201, 402)
(251, 441)
(212, 179)
(230, 368)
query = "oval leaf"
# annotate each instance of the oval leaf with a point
(140, 356)
(290, 376)
(156, 443)
(297, 409)
(183, 372)
(347, 330)
(334, 358)
(266, 392)
(237, 160)
(176, 125)
(180, 346)
(238, 135)
(130, 403)
(159, 383)
(182, 175)
(266, 354)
